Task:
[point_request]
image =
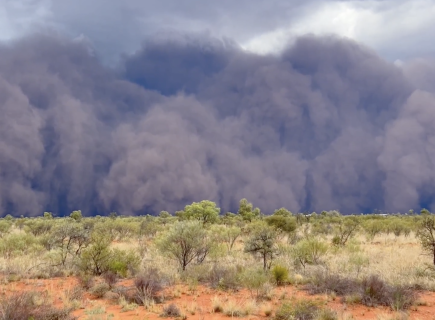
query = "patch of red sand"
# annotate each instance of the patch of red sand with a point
(196, 303)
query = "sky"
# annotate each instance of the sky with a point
(141, 106)
(397, 30)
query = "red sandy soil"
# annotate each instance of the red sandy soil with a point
(199, 299)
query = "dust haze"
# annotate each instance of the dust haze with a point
(326, 124)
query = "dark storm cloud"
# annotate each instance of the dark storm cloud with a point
(127, 22)
(326, 125)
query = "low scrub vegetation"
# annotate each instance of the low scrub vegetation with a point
(368, 259)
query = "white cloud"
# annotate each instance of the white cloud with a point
(382, 25)
(18, 18)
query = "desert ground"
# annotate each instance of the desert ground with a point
(131, 268)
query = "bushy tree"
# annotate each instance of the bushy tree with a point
(263, 243)
(17, 244)
(76, 215)
(69, 239)
(308, 251)
(149, 227)
(226, 234)
(5, 227)
(232, 219)
(205, 211)
(164, 217)
(426, 234)
(185, 242)
(96, 257)
(48, 215)
(282, 223)
(282, 212)
(373, 228)
(38, 227)
(247, 212)
(345, 229)
(124, 229)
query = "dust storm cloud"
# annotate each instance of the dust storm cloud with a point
(326, 124)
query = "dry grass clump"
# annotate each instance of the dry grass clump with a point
(148, 285)
(267, 310)
(374, 291)
(125, 305)
(86, 281)
(30, 305)
(224, 277)
(301, 310)
(304, 310)
(72, 298)
(232, 308)
(171, 310)
(323, 282)
(371, 291)
(99, 290)
(110, 278)
(217, 304)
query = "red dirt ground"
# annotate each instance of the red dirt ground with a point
(196, 302)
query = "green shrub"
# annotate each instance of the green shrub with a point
(301, 310)
(185, 242)
(121, 262)
(282, 223)
(280, 274)
(308, 251)
(96, 257)
(327, 314)
(17, 244)
(345, 229)
(149, 228)
(38, 227)
(224, 278)
(76, 215)
(255, 281)
(262, 243)
(5, 227)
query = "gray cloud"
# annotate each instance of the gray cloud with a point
(326, 125)
(396, 29)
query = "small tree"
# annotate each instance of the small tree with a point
(308, 251)
(345, 229)
(282, 212)
(69, 239)
(226, 234)
(96, 257)
(185, 242)
(76, 215)
(5, 227)
(373, 228)
(247, 212)
(263, 243)
(204, 211)
(164, 217)
(48, 215)
(426, 234)
(283, 224)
